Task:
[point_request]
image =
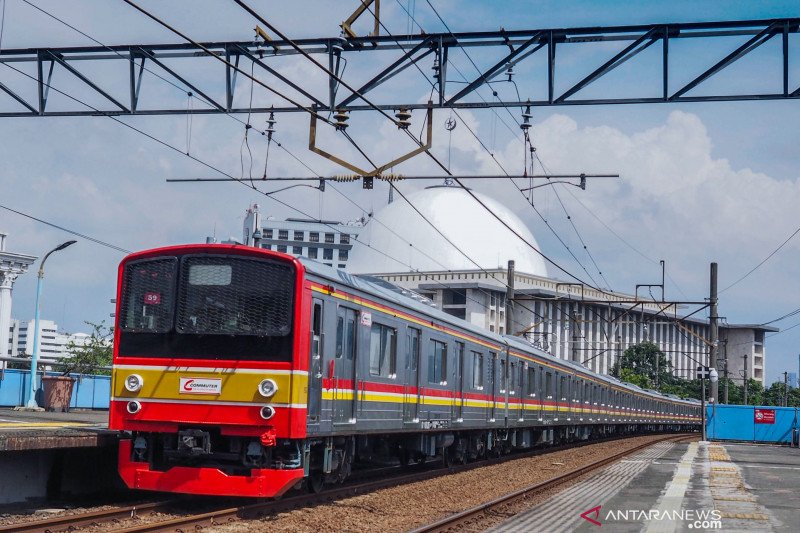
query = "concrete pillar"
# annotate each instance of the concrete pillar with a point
(11, 266)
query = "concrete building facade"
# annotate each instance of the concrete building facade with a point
(52, 343)
(326, 241)
(570, 324)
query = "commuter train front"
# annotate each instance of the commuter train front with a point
(240, 371)
(204, 373)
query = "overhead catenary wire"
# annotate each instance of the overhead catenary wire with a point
(176, 149)
(433, 88)
(439, 163)
(449, 173)
(67, 230)
(775, 251)
(491, 152)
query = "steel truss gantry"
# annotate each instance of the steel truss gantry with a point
(513, 48)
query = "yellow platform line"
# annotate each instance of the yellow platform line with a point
(44, 424)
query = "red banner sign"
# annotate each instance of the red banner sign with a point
(765, 416)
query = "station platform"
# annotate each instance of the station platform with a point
(51, 455)
(38, 430)
(683, 487)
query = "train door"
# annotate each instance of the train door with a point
(525, 388)
(548, 396)
(343, 367)
(458, 382)
(315, 363)
(492, 385)
(411, 385)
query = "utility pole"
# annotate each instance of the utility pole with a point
(574, 336)
(712, 356)
(785, 389)
(725, 363)
(746, 378)
(510, 298)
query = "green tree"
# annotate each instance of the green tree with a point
(646, 360)
(96, 352)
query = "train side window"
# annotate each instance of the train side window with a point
(412, 348)
(563, 388)
(531, 391)
(382, 351)
(339, 336)
(477, 370)
(503, 376)
(351, 335)
(512, 377)
(548, 387)
(345, 333)
(437, 362)
(316, 330)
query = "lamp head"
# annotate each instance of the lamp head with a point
(62, 246)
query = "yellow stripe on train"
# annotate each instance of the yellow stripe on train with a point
(209, 384)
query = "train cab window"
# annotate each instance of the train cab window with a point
(148, 295)
(548, 384)
(437, 363)
(412, 348)
(531, 388)
(477, 370)
(382, 351)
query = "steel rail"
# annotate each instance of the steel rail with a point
(478, 512)
(71, 521)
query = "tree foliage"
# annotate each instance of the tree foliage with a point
(646, 366)
(97, 351)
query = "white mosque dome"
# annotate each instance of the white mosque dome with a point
(460, 217)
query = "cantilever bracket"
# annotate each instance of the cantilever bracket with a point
(312, 137)
(363, 6)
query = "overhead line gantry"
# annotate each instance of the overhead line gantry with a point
(513, 48)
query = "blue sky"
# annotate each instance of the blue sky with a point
(700, 182)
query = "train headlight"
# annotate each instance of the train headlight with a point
(133, 383)
(134, 407)
(267, 412)
(267, 388)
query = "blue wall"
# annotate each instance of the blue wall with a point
(737, 422)
(89, 392)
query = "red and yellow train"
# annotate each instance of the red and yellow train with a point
(241, 371)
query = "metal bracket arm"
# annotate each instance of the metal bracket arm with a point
(312, 136)
(363, 6)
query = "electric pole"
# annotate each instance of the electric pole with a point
(746, 378)
(510, 298)
(574, 336)
(725, 363)
(712, 356)
(785, 389)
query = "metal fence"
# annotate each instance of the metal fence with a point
(89, 392)
(751, 423)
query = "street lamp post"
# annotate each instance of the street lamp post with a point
(35, 357)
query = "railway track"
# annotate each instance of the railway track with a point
(366, 482)
(72, 521)
(475, 514)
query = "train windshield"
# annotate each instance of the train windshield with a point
(207, 306)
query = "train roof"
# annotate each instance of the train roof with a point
(417, 303)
